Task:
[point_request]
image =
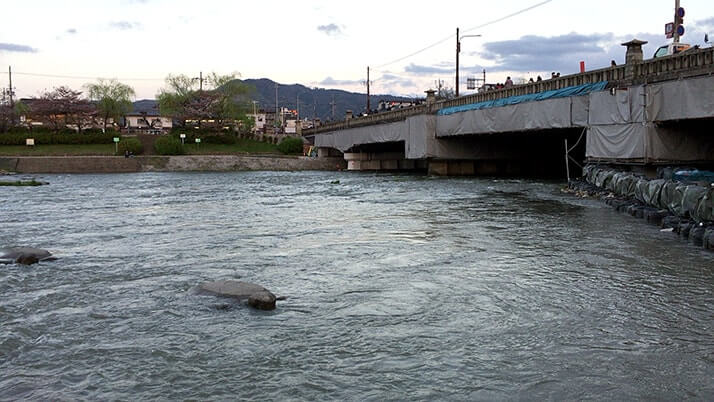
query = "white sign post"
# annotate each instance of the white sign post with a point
(116, 145)
(198, 142)
(183, 137)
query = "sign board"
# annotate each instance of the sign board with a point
(471, 83)
(182, 136)
(116, 139)
(198, 140)
(680, 30)
(30, 142)
(669, 30)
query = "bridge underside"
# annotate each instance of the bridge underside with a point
(668, 122)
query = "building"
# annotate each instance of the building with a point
(147, 123)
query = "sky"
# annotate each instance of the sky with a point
(409, 46)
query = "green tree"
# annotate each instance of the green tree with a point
(113, 98)
(223, 98)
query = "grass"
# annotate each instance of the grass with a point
(57, 150)
(243, 146)
(32, 182)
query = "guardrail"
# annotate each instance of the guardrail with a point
(690, 63)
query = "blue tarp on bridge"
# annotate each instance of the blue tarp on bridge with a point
(514, 100)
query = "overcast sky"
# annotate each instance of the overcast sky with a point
(326, 44)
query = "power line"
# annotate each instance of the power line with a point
(80, 77)
(467, 30)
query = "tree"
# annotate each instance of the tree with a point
(224, 99)
(63, 107)
(113, 99)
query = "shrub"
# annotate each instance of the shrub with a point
(130, 144)
(219, 139)
(290, 145)
(166, 145)
(43, 137)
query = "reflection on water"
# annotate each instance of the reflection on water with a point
(398, 287)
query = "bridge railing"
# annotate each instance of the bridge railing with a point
(692, 62)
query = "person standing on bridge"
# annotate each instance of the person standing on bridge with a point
(509, 83)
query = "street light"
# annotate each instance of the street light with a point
(458, 50)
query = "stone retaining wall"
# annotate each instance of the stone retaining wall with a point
(114, 164)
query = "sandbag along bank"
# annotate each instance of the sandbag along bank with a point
(683, 204)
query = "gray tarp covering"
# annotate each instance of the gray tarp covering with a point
(682, 99)
(579, 111)
(553, 113)
(346, 139)
(609, 109)
(625, 141)
(670, 144)
(420, 134)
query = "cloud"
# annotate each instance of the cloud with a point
(332, 81)
(707, 24)
(429, 70)
(12, 47)
(124, 25)
(71, 31)
(532, 53)
(392, 80)
(330, 29)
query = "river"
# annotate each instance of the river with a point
(398, 287)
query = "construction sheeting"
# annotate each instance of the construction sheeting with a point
(548, 114)
(514, 100)
(681, 99)
(606, 108)
(420, 133)
(626, 141)
(638, 141)
(669, 144)
(346, 139)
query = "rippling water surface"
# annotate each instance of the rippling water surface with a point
(398, 287)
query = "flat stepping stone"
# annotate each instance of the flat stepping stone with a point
(255, 295)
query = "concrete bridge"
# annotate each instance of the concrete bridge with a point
(643, 113)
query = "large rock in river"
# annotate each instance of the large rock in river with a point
(24, 255)
(256, 295)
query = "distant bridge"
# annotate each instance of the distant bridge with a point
(645, 112)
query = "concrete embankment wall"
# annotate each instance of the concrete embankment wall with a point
(184, 163)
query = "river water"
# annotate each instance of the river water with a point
(398, 287)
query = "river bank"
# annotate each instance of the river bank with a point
(182, 163)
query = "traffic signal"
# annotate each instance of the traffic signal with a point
(679, 20)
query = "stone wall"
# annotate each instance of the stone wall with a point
(112, 164)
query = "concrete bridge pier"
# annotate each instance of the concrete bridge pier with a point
(391, 161)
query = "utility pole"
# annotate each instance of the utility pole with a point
(332, 106)
(276, 105)
(9, 74)
(677, 20)
(297, 107)
(368, 109)
(458, 50)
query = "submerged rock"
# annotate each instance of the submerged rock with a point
(24, 255)
(255, 295)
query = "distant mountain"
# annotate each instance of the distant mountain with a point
(315, 101)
